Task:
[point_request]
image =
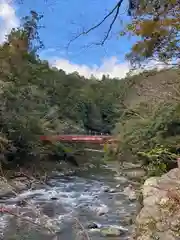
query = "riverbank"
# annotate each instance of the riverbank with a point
(158, 214)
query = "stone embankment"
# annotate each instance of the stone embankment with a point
(159, 218)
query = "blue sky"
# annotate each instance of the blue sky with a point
(63, 19)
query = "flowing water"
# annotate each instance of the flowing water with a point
(77, 205)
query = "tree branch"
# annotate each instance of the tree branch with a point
(114, 10)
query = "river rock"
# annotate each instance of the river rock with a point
(130, 165)
(95, 231)
(112, 190)
(160, 216)
(102, 210)
(120, 179)
(112, 231)
(130, 192)
(106, 189)
(126, 220)
(54, 198)
(134, 173)
(109, 190)
(92, 225)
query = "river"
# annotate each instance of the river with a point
(79, 206)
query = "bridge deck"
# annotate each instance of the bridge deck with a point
(78, 138)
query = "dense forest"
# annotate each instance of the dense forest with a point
(37, 99)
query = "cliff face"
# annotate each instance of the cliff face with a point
(159, 219)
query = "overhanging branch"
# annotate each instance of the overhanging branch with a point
(114, 10)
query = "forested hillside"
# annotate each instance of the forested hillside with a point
(37, 99)
(149, 128)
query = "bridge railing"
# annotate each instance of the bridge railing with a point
(94, 133)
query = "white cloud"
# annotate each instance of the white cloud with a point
(8, 18)
(111, 67)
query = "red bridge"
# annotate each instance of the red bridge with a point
(80, 138)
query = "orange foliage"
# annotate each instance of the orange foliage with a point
(159, 31)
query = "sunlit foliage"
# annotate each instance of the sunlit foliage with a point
(157, 24)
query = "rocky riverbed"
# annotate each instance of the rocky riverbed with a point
(91, 204)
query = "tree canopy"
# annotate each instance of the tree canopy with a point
(157, 23)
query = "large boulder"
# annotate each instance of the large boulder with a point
(160, 216)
